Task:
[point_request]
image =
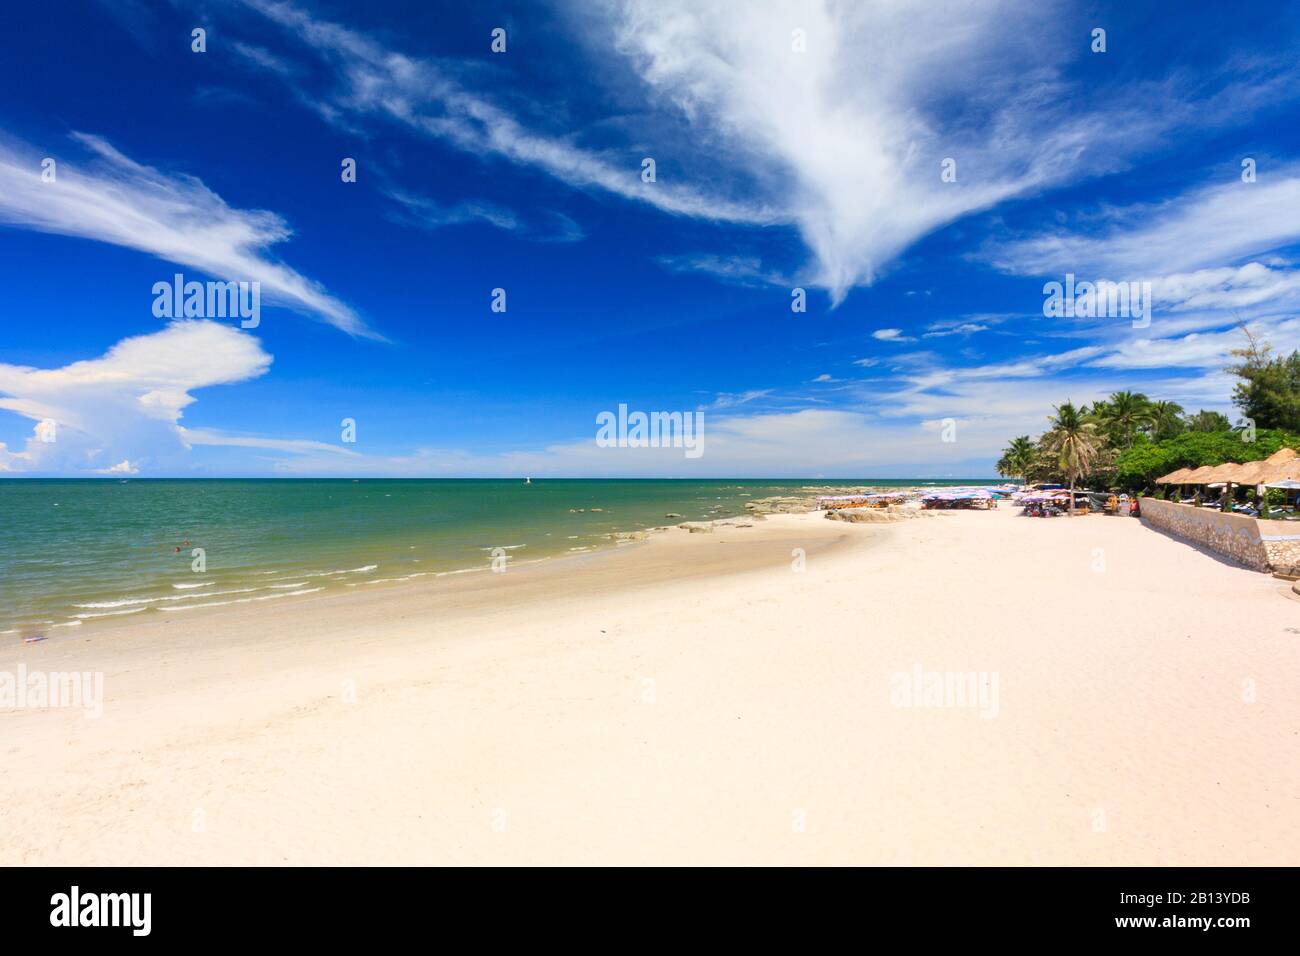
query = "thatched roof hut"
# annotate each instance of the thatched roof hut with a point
(1199, 476)
(1279, 466)
(1227, 473)
(1174, 477)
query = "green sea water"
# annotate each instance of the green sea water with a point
(74, 552)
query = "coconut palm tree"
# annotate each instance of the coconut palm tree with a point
(1016, 458)
(1165, 420)
(1123, 415)
(1074, 441)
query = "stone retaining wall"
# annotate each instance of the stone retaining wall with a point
(1233, 536)
(1281, 542)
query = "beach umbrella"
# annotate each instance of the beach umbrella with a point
(1174, 477)
(1286, 484)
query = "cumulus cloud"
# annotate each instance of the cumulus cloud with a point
(111, 198)
(120, 411)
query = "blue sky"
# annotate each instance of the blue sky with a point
(796, 144)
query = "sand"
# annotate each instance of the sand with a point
(693, 699)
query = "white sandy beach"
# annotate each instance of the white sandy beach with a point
(693, 700)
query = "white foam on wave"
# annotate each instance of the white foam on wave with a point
(130, 610)
(264, 597)
(326, 574)
(129, 602)
(186, 587)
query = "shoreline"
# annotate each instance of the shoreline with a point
(446, 534)
(684, 699)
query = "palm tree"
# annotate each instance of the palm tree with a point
(1016, 458)
(1165, 420)
(1074, 441)
(1123, 415)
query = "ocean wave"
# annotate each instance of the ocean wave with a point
(264, 597)
(130, 610)
(186, 587)
(326, 574)
(129, 602)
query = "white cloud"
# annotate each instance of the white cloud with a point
(732, 399)
(425, 213)
(805, 442)
(125, 405)
(963, 328)
(891, 335)
(296, 446)
(1210, 227)
(855, 128)
(741, 270)
(428, 97)
(844, 140)
(123, 467)
(175, 217)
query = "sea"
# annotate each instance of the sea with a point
(74, 552)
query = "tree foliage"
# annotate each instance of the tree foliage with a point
(1269, 391)
(1128, 440)
(1140, 466)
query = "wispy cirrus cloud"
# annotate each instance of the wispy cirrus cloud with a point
(374, 81)
(739, 270)
(422, 212)
(851, 109)
(113, 199)
(1210, 227)
(1215, 256)
(840, 132)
